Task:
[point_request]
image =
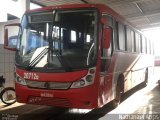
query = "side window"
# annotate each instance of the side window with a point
(73, 36)
(140, 43)
(129, 39)
(137, 42)
(152, 48)
(106, 53)
(143, 44)
(115, 35)
(133, 40)
(121, 36)
(148, 47)
(109, 20)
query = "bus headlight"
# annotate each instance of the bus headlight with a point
(20, 80)
(78, 84)
(85, 81)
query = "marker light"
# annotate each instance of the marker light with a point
(92, 71)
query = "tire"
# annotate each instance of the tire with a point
(8, 96)
(159, 82)
(145, 78)
(117, 99)
(119, 92)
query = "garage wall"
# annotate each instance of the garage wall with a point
(7, 65)
(6, 58)
(15, 8)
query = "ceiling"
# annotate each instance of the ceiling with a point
(143, 14)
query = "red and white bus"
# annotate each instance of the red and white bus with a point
(78, 56)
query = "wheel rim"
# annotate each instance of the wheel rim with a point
(9, 97)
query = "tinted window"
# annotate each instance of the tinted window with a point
(129, 39)
(137, 41)
(148, 46)
(121, 34)
(133, 40)
(143, 44)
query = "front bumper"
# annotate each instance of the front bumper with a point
(85, 98)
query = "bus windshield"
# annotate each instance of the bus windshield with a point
(58, 40)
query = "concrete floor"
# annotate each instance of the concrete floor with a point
(145, 101)
(142, 101)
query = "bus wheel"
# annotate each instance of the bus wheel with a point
(117, 99)
(159, 82)
(145, 78)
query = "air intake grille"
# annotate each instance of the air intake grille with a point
(49, 101)
(48, 85)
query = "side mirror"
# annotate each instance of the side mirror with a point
(107, 36)
(11, 36)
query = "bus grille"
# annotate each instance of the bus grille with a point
(48, 85)
(61, 102)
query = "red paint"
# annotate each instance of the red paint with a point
(157, 63)
(92, 96)
(56, 77)
(75, 97)
(105, 92)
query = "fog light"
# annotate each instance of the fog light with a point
(89, 78)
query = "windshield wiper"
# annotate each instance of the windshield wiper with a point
(36, 60)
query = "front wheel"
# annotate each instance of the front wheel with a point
(119, 92)
(159, 82)
(145, 78)
(8, 96)
(117, 99)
